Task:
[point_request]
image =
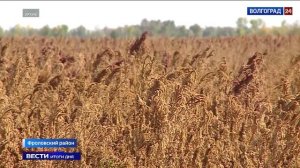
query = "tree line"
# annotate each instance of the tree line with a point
(158, 28)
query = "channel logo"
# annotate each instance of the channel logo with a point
(51, 156)
(269, 10)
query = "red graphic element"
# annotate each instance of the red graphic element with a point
(288, 10)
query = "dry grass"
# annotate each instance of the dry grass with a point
(154, 102)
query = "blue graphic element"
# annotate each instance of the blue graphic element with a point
(265, 11)
(49, 143)
(51, 156)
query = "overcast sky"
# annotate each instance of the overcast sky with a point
(98, 14)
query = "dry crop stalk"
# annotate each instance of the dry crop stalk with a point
(137, 45)
(247, 73)
(99, 57)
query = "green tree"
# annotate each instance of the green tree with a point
(196, 30)
(64, 30)
(153, 26)
(31, 31)
(114, 34)
(210, 32)
(132, 31)
(17, 30)
(256, 25)
(45, 31)
(181, 31)
(144, 25)
(60, 31)
(168, 28)
(242, 28)
(97, 33)
(225, 32)
(80, 31)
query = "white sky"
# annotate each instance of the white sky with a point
(98, 14)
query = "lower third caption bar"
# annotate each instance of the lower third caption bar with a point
(51, 156)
